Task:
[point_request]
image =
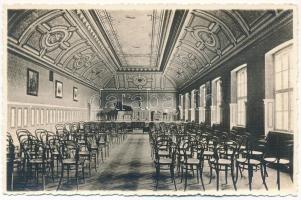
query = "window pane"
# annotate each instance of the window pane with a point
(278, 120)
(285, 79)
(238, 118)
(284, 61)
(292, 122)
(241, 87)
(285, 120)
(278, 81)
(277, 63)
(238, 106)
(278, 103)
(285, 101)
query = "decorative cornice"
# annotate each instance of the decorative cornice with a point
(139, 91)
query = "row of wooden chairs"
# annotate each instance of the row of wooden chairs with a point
(185, 147)
(72, 148)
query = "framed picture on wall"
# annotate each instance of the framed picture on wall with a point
(32, 82)
(75, 94)
(58, 89)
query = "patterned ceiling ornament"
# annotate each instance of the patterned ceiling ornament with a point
(96, 73)
(206, 37)
(82, 60)
(180, 73)
(139, 81)
(187, 61)
(55, 37)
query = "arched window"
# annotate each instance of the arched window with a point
(238, 111)
(280, 81)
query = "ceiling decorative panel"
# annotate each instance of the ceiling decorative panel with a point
(140, 81)
(56, 38)
(135, 36)
(210, 37)
(137, 49)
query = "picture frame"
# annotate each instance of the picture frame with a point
(58, 89)
(75, 94)
(32, 82)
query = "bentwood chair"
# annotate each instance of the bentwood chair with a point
(103, 143)
(12, 162)
(53, 147)
(250, 162)
(193, 157)
(279, 155)
(167, 162)
(36, 161)
(70, 161)
(223, 160)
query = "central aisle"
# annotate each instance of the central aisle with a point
(129, 167)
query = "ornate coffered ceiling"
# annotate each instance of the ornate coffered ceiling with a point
(59, 40)
(135, 36)
(211, 37)
(140, 49)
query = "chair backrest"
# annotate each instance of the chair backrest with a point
(75, 127)
(53, 144)
(59, 129)
(22, 133)
(69, 149)
(187, 150)
(171, 149)
(41, 134)
(33, 148)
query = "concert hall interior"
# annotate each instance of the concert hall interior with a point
(159, 99)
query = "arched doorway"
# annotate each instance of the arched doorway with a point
(94, 106)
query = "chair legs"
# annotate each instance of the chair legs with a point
(263, 170)
(172, 175)
(62, 175)
(201, 177)
(68, 172)
(157, 176)
(218, 169)
(233, 177)
(199, 171)
(217, 178)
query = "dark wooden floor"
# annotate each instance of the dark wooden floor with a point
(130, 168)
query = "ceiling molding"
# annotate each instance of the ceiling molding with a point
(139, 91)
